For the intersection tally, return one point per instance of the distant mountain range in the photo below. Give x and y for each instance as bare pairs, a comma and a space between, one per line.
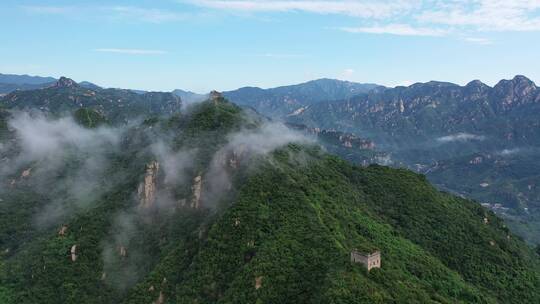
25, 79
113, 196
474, 140
11, 82
288, 100
65, 95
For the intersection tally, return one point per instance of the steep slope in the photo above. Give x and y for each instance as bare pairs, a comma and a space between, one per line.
218, 205
65, 218
437, 128
292, 100
288, 236
348, 146
425, 112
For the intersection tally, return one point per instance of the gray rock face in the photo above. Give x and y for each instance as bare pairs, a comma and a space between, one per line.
196, 190
147, 188
65, 82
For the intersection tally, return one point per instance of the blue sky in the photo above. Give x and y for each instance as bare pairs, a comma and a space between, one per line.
213, 44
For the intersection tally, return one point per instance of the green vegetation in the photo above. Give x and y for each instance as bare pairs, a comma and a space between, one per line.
298, 223
282, 232
118, 106
89, 118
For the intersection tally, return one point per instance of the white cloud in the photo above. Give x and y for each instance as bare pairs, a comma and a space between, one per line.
131, 51
481, 41
43, 147
41, 138
405, 83
486, 15
348, 72
405, 17
507, 152
398, 17
366, 9
126, 13
396, 29
146, 14
460, 137
279, 55
45, 9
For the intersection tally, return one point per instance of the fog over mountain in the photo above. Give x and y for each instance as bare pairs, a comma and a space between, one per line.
115, 196
429, 126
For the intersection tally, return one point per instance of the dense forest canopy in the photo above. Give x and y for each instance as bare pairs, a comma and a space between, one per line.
212, 203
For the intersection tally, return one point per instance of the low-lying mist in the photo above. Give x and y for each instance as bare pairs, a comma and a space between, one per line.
460, 137
59, 159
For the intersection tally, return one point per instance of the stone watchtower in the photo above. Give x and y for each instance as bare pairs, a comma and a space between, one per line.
369, 260
215, 96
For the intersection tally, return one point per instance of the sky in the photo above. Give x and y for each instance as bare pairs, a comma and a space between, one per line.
200, 45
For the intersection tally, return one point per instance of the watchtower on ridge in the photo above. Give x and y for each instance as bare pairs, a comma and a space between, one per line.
369, 260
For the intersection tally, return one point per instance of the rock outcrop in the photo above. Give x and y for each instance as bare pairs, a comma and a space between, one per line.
73, 253
65, 82
215, 96
258, 282
63, 230
196, 190
26, 173
122, 251
160, 299
147, 188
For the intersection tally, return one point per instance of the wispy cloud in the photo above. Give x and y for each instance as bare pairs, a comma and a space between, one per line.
398, 17
46, 9
477, 40
127, 13
347, 73
151, 15
279, 55
404, 83
507, 152
405, 17
461, 137
396, 29
131, 51
366, 9
485, 15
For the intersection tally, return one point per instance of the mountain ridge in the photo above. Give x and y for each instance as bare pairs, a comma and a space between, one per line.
425, 124
217, 204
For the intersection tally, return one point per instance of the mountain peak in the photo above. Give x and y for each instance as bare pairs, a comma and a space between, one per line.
476, 83
519, 85
216, 96
433, 84
520, 79
65, 82
476, 86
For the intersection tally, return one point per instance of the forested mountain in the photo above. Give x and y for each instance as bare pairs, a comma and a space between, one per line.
213, 203
66, 95
293, 99
9, 82
425, 112
25, 79
475, 140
